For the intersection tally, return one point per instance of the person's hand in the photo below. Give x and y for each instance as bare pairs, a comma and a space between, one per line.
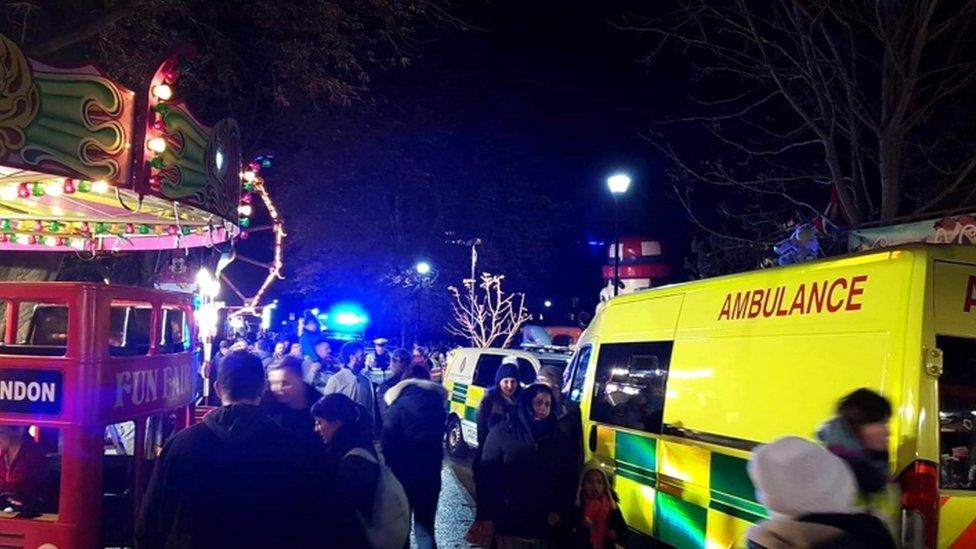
553, 519
612, 535
587, 522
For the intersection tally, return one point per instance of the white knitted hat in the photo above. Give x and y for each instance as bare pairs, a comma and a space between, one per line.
795, 477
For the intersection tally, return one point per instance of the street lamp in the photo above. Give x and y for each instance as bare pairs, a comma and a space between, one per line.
423, 268
618, 185
547, 303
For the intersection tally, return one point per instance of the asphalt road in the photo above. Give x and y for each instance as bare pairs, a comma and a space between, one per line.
455, 511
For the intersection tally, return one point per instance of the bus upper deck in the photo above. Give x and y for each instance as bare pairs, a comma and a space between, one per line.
98, 376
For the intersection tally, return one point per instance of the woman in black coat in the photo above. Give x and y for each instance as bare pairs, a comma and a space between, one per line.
349, 481
413, 444
526, 484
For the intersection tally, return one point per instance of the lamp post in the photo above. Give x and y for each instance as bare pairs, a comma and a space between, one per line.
618, 185
423, 268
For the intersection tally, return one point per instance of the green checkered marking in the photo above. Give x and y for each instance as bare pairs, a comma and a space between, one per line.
459, 393
731, 489
470, 413
635, 458
677, 522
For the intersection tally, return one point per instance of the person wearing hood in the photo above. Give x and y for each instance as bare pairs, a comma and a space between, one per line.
349, 480
810, 494
413, 435
288, 402
234, 480
399, 361
526, 482
597, 521
859, 435
567, 413
495, 407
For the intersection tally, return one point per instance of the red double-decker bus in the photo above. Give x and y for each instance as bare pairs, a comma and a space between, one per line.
97, 377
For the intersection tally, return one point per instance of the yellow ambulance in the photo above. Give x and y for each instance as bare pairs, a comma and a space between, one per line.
678, 384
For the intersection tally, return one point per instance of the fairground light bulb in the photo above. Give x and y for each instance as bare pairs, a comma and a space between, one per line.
100, 186
77, 243
8, 193
51, 241
245, 210
156, 145
249, 176
23, 239
54, 189
163, 92
203, 277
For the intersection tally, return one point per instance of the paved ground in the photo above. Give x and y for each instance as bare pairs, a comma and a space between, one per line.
455, 512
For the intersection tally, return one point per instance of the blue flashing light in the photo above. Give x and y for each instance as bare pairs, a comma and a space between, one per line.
347, 317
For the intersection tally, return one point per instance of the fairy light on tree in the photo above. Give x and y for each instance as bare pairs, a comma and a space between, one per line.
485, 314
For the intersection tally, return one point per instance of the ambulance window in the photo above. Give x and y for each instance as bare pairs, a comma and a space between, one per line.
484, 371
578, 371
957, 413
630, 384
526, 372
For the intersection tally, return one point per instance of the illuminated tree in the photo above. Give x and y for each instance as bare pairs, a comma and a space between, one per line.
485, 314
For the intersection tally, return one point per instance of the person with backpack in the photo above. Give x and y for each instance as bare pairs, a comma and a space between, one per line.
234, 480
810, 494
413, 443
363, 504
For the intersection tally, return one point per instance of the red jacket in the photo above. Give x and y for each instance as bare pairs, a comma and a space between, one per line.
26, 478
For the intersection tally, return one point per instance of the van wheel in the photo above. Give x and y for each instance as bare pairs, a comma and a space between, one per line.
456, 446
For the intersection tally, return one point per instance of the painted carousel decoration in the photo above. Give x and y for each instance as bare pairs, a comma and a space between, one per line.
88, 165
641, 263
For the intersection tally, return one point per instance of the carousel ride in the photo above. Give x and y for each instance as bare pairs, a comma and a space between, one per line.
90, 167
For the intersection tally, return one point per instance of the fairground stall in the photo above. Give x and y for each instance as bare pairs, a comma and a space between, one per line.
95, 377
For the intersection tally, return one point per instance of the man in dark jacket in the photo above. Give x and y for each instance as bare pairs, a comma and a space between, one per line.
399, 361
413, 435
234, 480
288, 402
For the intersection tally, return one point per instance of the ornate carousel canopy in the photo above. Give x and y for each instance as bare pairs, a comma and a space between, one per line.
86, 164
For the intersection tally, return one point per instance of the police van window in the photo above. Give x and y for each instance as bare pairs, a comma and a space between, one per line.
36, 494
526, 372
173, 328
484, 372
630, 384
578, 371
129, 328
957, 413
42, 329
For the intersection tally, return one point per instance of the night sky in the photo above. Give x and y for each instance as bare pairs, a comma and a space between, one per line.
559, 77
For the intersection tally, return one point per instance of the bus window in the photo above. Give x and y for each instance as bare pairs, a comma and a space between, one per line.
630, 384
129, 328
118, 484
33, 490
174, 332
957, 413
42, 329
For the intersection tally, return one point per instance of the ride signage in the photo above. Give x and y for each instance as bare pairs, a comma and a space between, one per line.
31, 391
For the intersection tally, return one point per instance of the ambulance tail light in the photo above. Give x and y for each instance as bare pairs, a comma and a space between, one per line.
920, 504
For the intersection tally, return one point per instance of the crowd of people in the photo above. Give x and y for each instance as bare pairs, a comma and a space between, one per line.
307, 450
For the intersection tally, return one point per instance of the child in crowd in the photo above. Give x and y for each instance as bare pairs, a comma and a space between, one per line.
598, 521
